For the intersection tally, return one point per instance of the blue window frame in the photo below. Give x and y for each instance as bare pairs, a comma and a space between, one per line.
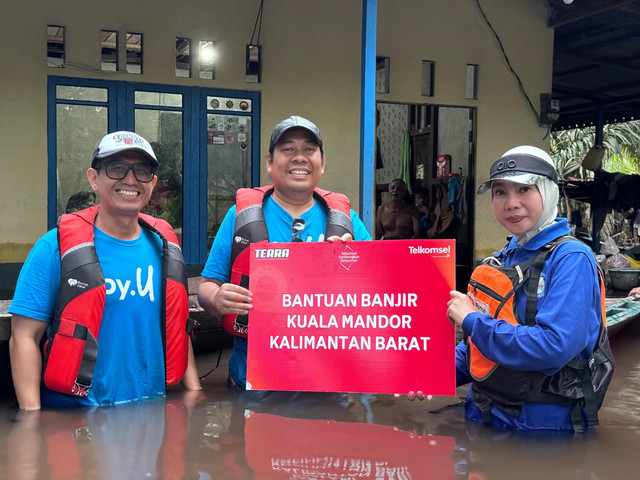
116, 105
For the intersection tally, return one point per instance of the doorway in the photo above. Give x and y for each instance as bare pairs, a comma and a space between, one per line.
438, 143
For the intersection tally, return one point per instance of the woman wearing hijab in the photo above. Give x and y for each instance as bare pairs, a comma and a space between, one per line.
531, 370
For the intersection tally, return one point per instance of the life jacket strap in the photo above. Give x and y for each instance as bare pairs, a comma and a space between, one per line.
576, 417
71, 348
192, 327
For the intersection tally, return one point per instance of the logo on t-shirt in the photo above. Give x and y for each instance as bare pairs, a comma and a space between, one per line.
123, 287
77, 283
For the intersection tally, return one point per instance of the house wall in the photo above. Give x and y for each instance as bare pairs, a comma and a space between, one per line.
311, 67
453, 34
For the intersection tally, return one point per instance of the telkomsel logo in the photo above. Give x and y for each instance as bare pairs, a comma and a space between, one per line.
348, 257
436, 251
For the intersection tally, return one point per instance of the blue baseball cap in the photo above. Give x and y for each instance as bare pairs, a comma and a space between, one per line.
294, 122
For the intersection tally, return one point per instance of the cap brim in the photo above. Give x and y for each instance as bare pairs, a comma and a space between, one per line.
274, 141
128, 148
517, 177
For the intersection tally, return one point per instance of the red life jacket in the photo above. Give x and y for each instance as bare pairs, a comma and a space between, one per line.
250, 227
71, 349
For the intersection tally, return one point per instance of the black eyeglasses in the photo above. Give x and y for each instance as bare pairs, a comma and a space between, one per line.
117, 170
297, 227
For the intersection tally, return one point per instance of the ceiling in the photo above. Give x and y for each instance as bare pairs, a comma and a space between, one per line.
596, 61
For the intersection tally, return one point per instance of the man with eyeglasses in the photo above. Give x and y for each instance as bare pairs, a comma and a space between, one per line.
108, 286
292, 209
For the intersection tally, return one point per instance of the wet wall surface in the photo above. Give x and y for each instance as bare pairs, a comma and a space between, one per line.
222, 434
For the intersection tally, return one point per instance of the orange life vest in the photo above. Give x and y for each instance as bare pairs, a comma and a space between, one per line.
580, 383
492, 289
71, 349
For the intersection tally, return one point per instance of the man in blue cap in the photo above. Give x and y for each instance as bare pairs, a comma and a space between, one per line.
292, 209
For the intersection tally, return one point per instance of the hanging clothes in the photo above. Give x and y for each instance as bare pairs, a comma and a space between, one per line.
379, 163
460, 198
453, 190
445, 218
405, 161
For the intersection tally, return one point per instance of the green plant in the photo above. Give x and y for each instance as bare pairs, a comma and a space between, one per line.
569, 147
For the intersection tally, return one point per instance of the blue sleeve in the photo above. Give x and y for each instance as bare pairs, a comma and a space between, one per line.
359, 230
37, 287
219, 260
462, 373
567, 321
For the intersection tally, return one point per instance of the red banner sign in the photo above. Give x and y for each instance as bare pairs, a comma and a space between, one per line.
367, 317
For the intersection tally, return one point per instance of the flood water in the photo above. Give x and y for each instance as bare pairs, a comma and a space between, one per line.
220, 434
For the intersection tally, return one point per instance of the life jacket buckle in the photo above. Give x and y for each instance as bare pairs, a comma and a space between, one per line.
192, 327
241, 329
80, 390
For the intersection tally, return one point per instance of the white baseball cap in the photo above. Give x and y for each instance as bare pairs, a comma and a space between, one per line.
524, 164
117, 142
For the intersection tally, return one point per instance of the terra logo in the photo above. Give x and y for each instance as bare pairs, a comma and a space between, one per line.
272, 252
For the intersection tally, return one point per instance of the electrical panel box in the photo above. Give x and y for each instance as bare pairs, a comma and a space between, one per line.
549, 109
253, 63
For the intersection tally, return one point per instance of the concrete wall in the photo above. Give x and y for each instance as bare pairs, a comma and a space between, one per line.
453, 134
452, 34
311, 67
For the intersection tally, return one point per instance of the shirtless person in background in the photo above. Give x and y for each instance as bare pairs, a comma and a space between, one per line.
397, 219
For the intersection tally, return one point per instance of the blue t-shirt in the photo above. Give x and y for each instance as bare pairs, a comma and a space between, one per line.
130, 363
278, 223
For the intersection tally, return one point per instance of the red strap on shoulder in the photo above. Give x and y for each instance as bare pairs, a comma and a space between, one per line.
72, 228
335, 201
162, 226
245, 197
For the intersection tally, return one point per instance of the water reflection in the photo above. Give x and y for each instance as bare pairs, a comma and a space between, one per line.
316, 449
222, 434
133, 441
242, 436
293, 435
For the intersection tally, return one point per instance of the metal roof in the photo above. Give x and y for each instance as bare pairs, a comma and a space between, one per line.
596, 61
